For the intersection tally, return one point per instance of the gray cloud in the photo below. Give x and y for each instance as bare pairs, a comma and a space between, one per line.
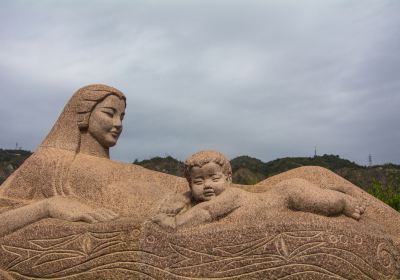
263, 78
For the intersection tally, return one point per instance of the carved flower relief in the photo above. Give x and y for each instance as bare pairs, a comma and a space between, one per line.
135, 234
86, 244
385, 254
281, 247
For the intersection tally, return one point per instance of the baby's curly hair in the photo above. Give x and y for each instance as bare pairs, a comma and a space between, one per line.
201, 158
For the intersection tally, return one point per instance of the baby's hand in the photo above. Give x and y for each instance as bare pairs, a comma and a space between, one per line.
164, 221
173, 205
172, 209
72, 210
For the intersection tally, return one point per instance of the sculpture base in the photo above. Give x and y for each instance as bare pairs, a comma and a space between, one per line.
53, 249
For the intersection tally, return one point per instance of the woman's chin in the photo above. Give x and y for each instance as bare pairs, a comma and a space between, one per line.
110, 143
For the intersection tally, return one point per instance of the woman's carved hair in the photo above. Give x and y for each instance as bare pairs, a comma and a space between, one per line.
90, 97
201, 158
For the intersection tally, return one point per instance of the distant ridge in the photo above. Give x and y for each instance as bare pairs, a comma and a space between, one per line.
248, 170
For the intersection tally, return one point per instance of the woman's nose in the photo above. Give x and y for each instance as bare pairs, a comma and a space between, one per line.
117, 122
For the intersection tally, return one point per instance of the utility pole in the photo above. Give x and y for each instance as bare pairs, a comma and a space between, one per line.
315, 151
369, 160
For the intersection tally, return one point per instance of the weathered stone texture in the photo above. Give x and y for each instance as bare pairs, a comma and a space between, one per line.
69, 212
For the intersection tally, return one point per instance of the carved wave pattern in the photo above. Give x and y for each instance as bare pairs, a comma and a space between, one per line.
123, 255
289, 255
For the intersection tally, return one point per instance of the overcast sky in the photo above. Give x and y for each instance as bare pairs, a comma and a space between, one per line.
268, 79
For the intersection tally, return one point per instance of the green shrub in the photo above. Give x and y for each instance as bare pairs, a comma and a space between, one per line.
388, 193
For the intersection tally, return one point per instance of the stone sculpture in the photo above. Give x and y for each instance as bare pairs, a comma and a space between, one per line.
69, 212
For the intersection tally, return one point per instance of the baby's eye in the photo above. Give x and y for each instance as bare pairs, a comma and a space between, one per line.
198, 182
216, 178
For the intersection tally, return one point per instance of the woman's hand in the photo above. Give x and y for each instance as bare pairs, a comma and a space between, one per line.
72, 210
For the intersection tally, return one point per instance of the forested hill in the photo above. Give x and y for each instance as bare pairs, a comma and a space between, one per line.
11, 160
248, 170
382, 181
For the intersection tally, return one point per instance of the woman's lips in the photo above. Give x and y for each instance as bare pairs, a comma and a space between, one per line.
114, 133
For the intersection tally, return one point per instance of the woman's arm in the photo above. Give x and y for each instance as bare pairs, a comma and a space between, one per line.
55, 207
15, 219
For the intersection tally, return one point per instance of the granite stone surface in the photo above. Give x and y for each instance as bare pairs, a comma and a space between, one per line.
69, 212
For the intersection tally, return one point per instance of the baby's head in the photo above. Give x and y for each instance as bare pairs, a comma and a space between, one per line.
208, 174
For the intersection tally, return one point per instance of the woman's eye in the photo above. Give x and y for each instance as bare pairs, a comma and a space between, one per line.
108, 113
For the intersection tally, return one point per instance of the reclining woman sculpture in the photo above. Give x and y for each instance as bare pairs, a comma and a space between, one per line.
54, 183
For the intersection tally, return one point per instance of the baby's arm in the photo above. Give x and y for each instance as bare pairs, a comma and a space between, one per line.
223, 204
212, 210
174, 211
175, 204
170, 207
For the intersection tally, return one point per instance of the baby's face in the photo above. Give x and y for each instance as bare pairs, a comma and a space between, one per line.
207, 181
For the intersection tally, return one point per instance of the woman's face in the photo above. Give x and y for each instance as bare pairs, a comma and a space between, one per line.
105, 123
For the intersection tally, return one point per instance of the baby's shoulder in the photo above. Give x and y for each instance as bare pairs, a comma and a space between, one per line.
185, 197
234, 192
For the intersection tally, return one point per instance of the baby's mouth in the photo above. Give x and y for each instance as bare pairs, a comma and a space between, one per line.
209, 193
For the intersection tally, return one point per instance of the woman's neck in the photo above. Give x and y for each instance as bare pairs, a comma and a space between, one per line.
90, 146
